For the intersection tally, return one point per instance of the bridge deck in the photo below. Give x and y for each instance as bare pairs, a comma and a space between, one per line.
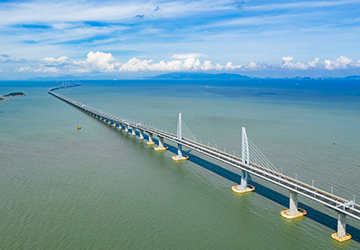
327, 199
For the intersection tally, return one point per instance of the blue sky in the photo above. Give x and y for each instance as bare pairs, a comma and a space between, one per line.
145, 38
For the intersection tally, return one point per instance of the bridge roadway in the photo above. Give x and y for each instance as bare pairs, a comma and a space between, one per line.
327, 199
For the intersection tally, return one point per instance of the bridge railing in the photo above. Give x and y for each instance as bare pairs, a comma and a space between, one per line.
311, 192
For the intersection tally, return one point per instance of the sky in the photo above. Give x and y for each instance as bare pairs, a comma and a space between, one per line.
132, 39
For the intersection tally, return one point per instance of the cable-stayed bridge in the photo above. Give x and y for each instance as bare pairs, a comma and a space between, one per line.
260, 166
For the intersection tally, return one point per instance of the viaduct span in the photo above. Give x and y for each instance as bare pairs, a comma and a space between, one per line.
295, 187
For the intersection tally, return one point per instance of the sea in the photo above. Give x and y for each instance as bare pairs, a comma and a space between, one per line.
101, 188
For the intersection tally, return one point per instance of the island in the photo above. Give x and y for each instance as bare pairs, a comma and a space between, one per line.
14, 94
3, 99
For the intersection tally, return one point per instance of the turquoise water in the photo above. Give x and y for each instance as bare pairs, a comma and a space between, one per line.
98, 188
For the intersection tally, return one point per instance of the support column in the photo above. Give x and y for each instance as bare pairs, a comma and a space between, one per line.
114, 123
126, 128
179, 156
244, 187
293, 211
150, 142
120, 126
341, 234
161, 146
133, 131
141, 137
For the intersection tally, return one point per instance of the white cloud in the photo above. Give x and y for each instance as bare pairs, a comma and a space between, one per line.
230, 66
340, 63
301, 4
288, 63
105, 62
24, 69
98, 62
253, 65
314, 63
47, 69
185, 62
54, 61
357, 64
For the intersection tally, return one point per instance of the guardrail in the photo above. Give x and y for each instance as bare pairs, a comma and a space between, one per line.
329, 200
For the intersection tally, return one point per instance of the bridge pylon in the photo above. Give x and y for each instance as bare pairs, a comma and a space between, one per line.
244, 186
179, 156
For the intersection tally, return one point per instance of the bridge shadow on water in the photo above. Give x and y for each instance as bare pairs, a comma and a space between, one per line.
266, 192
270, 194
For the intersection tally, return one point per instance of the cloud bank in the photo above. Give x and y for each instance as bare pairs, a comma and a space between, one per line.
100, 62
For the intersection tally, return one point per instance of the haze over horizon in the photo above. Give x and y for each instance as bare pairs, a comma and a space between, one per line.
147, 38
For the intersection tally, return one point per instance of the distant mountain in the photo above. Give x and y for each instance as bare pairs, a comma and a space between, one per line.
190, 76
352, 77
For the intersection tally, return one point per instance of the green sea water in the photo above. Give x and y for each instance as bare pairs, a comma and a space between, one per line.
99, 188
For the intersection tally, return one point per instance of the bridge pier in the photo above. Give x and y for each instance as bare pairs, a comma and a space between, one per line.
293, 211
141, 137
244, 187
133, 131
161, 146
126, 128
120, 126
179, 156
341, 234
113, 123
150, 142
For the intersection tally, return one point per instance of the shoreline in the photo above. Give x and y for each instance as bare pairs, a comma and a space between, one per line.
13, 95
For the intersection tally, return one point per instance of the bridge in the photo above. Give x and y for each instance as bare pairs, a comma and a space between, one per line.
342, 206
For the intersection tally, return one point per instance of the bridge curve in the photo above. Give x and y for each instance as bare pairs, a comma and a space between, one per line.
334, 202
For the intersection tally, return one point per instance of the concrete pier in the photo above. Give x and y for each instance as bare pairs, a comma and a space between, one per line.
180, 156
341, 234
296, 187
244, 187
161, 146
141, 137
126, 128
293, 211
133, 131
150, 142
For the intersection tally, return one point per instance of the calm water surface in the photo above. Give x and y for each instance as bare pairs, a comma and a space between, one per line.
99, 188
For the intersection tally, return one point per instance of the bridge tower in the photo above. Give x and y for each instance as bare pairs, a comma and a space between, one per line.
244, 187
179, 156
